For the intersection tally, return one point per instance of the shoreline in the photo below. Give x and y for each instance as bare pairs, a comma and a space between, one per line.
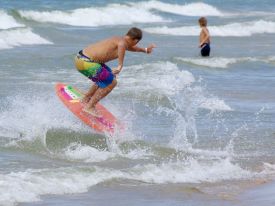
156, 195
262, 194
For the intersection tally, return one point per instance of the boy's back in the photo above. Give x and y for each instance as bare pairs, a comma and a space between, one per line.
104, 51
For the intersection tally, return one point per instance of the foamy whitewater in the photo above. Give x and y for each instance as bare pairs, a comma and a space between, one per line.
197, 130
233, 29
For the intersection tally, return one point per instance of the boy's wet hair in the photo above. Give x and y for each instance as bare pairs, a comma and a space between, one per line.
203, 21
135, 33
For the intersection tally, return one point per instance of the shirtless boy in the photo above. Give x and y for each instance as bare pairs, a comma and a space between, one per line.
204, 37
91, 63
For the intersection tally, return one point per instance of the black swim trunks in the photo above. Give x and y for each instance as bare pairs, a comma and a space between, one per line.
205, 50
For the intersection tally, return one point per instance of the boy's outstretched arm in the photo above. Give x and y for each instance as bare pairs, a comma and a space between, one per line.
147, 50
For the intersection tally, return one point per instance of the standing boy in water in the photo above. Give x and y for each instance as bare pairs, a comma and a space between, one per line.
204, 37
91, 63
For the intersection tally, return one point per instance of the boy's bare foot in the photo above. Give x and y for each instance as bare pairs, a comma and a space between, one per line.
84, 100
92, 112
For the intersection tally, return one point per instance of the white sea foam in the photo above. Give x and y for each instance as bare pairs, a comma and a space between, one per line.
29, 185
191, 171
215, 62
223, 62
269, 168
20, 36
258, 14
20, 120
139, 153
167, 79
271, 59
163, 77
86, 153
120, 14
186, 105
112, 14
244, 29
192, 9
76, 151
215, 104
233, 29
7, 21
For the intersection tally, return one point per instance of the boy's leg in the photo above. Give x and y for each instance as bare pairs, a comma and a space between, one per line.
98, 95
89, 94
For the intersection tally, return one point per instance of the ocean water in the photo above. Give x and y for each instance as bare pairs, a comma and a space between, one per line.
198, 130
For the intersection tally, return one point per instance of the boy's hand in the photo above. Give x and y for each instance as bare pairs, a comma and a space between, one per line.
116, 71
150, 48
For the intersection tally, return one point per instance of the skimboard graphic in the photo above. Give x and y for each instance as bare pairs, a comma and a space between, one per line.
71, 97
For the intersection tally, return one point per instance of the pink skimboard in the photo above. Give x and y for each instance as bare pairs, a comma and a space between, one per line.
71, 97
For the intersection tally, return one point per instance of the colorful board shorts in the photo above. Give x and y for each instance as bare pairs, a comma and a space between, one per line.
99, 73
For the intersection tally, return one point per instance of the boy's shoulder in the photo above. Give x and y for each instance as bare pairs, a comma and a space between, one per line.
205, 29
121, 41
117, 40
